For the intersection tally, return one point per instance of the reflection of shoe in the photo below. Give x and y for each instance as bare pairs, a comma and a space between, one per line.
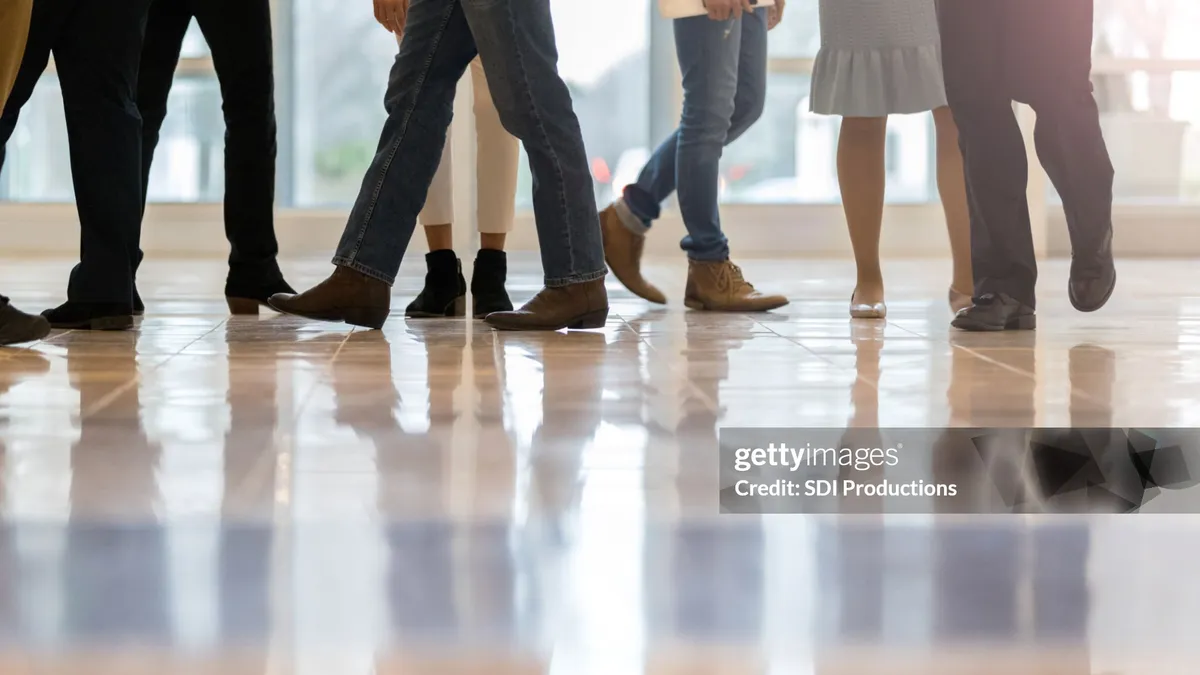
91, 316
346, 295
445, 291
1093, 277
17, 326
249, 287
487, 284
867, 310
959, 300
579, 306
995, 312
720, 287
623, 252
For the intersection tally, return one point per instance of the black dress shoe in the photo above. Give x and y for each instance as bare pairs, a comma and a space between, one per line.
445, 292
17, 326
487, 284
247, 288
995, 312
1093, 278
91, 316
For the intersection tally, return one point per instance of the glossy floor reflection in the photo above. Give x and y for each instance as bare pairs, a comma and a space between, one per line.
263, 496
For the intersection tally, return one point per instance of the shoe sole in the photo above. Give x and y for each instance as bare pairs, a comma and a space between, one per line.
1102, 303
103, 323
589, 321
700, 306
245, 306
1027, 322
363, 317
457, 308
40, 330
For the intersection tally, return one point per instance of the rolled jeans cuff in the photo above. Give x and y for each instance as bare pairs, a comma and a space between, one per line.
363, 269
576, 278
630, 219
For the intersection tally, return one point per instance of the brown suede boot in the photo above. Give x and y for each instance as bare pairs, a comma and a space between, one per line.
623, 253
575, 307
346, 296
720, 287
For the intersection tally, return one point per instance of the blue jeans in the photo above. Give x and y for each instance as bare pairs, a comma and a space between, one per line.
724, 65
515, 41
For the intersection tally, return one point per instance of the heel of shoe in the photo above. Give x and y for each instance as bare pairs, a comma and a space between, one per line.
111, 323
591, 320
458, 307
366, 317
242, 306
1027, 322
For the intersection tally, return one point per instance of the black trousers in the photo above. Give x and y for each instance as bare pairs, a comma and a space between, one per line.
96, 45
239, 37
1036, 52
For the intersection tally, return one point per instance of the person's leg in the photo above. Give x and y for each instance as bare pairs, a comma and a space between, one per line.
239, 36
97, 57
1051, 72
14, 32
952, 189
497, 156
437, 48
862, 177
709, 55
445, 290
517, 46
166, 25
43, 26
1002, 254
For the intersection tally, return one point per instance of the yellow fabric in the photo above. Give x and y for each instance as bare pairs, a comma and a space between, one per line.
14, 31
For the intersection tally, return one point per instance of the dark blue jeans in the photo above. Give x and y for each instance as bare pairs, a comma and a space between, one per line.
515, 42
724, 65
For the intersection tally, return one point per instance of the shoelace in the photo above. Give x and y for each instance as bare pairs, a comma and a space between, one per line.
735, 277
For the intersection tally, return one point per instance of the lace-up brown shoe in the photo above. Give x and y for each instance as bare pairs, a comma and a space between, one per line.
720, 287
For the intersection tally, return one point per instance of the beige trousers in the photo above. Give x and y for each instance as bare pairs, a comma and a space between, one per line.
497, 154
14, 31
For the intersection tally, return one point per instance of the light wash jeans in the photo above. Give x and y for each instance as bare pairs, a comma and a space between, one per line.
724, 65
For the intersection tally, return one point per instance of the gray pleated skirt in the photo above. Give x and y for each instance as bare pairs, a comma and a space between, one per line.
877, 58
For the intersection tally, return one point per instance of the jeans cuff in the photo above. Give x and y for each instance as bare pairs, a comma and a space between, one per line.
576, 278
629, 219
359, 267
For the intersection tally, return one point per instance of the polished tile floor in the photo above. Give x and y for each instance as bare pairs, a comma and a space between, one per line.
266, 495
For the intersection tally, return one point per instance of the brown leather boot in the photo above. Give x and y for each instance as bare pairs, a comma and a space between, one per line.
623, 253
575, 307
347, 295
720, 287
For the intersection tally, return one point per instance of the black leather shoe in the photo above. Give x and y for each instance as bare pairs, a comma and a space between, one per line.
487, 284
247, 288
91, 316
995, 312
17, 326
445, 292
1093, 278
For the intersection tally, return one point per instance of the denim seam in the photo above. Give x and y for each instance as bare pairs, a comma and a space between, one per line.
341, 261
402, 133
528, 91
576, 278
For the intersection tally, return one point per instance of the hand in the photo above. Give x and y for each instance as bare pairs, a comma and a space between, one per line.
775, 14
723, 10
391, 14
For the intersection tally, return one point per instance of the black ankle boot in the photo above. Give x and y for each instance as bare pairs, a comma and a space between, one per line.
487, 284
250, 286
445, 292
